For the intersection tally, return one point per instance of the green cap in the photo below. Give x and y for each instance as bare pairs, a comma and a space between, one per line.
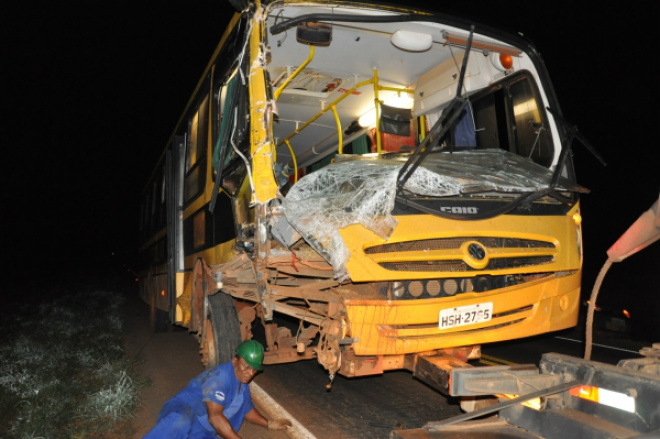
252, 352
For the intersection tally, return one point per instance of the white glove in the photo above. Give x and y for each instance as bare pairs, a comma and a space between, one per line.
278, 424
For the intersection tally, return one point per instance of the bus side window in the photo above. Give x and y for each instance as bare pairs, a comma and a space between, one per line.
491, 120
232, 133
162, 207
222, 130
195, 170
531, 137
220, 97
510, 116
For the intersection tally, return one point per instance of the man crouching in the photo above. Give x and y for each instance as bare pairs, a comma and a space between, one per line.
216, 402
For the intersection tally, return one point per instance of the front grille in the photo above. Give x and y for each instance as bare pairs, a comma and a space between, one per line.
496, 264
425, 266
500, 264
454, 243
502, 254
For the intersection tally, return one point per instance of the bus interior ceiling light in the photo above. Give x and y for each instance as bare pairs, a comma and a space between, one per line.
396, 100
368, 119
411, 41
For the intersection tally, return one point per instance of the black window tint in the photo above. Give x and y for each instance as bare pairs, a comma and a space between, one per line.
196, 149
510, 116
531, 138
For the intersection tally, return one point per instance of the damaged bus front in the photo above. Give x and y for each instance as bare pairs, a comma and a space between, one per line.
398, 185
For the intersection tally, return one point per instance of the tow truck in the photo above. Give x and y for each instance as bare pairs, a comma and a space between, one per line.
565, 397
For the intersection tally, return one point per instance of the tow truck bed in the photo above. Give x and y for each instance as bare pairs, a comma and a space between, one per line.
576, 399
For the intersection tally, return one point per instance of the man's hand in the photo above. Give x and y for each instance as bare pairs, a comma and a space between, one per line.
278, 424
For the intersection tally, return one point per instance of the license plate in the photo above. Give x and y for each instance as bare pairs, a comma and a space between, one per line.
465, 315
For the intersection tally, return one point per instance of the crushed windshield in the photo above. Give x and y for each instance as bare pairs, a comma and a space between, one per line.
485, 170
362, 190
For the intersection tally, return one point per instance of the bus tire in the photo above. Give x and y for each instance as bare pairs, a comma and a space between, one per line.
222, 331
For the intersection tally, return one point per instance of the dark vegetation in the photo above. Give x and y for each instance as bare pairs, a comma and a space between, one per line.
64, 373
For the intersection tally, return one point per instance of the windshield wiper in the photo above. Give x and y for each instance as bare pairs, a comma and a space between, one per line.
552, 189
450, 116
572, 135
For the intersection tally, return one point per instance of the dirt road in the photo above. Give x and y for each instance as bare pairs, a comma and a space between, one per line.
170, 359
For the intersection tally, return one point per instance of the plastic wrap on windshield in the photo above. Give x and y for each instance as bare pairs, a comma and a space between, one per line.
362, 190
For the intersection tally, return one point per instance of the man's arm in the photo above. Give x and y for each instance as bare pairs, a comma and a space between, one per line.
219, 422
257, 418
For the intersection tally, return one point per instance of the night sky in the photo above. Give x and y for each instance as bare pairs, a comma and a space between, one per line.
91, 91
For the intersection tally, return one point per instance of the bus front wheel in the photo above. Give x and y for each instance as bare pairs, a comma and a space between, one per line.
222, 333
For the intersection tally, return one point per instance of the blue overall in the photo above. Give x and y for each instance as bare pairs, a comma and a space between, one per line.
185, 415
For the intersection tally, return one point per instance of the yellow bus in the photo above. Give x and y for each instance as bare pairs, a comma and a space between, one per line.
370, 186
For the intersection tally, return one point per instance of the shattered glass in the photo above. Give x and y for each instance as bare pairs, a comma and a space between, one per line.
362, 190
341, 194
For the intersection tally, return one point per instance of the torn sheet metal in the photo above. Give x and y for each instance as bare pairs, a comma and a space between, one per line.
362, 190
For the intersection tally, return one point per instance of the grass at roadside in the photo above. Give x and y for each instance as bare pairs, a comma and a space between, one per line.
63, 370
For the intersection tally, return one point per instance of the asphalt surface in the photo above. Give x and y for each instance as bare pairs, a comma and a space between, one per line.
360, 408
